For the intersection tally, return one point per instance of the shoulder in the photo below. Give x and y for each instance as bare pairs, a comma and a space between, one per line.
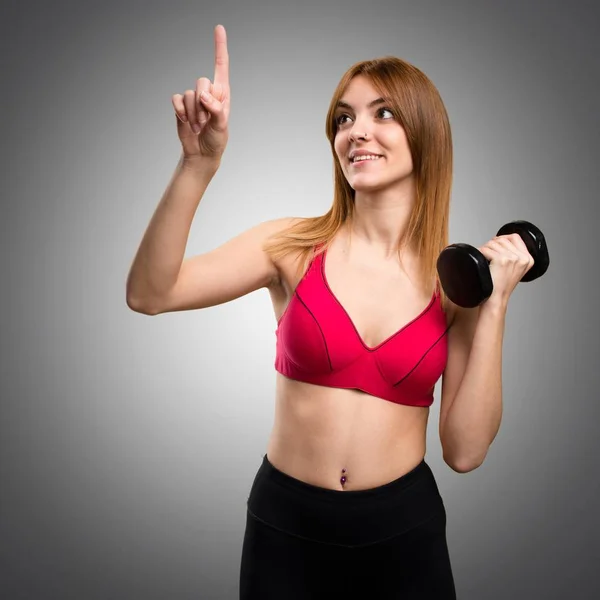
277, 246
276, 226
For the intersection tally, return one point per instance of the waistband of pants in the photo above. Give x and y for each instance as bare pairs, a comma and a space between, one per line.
349, 518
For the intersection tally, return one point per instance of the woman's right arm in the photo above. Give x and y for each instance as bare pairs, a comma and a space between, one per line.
160, 280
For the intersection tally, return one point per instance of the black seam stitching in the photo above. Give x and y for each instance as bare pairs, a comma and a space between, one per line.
349, 318
307, 539
319, 326
422, 357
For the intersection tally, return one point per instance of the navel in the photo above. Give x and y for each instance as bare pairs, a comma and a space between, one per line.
343, 478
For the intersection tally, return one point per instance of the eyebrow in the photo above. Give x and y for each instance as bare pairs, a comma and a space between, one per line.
341, 104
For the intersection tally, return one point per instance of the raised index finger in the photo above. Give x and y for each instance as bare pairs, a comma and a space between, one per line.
221, 59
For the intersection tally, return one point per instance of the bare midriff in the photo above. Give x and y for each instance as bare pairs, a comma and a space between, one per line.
343, 439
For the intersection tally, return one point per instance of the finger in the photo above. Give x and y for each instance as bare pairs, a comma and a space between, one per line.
217, 91
189, 100
177, 100
518, 242
505, 242
222, 96
221, 59
202, 85
488, 252
506, 254
218, 119
518, 247
504, 247
513, 247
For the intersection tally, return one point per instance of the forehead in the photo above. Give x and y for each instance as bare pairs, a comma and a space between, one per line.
359, 91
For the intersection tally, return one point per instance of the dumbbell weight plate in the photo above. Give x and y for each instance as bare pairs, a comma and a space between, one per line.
465, 275
536, 246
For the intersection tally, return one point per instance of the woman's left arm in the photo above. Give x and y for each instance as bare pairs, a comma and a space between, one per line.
471, 405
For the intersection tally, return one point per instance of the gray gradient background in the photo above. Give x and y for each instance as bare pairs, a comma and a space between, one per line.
129, 443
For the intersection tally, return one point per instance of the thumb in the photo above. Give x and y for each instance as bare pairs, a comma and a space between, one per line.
218, 118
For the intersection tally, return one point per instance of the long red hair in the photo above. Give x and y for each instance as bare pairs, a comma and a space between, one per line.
417, 105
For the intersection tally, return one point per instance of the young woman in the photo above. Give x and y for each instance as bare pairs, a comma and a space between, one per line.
344, 503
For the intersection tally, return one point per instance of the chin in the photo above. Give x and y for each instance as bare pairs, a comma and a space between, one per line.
363, 184
368, 186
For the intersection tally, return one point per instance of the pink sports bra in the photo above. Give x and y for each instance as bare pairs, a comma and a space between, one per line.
318, 343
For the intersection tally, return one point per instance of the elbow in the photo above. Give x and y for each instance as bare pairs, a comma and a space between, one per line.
140, 306
463, 465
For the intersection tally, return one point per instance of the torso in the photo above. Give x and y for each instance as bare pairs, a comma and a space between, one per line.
322, 433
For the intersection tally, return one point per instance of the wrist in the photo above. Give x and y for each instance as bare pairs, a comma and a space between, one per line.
496, 305
200, 165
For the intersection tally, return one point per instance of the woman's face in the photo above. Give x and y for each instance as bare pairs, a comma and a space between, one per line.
364, 112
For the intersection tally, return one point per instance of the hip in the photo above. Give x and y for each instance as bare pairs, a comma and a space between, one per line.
351, 518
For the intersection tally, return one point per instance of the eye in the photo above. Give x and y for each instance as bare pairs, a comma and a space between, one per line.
383, 109
339, 119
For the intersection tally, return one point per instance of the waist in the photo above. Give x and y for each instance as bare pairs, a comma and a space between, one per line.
318, 432
353, 518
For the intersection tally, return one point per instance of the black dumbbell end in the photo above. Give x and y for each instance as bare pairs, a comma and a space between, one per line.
536, 246
465, 275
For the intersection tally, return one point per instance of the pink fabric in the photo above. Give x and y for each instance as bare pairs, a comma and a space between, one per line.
318, 343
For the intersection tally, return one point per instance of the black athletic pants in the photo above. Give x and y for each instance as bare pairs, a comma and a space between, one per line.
306, 542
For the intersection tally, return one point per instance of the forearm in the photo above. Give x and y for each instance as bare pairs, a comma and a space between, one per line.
474, 418
159, 257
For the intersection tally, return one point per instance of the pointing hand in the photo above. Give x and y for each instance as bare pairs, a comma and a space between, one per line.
203, 113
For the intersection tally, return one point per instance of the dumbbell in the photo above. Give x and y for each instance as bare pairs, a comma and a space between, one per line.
465, 273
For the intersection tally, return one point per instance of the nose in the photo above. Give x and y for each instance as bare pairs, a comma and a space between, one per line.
356, 133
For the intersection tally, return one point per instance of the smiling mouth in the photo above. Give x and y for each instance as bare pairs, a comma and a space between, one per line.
361, 161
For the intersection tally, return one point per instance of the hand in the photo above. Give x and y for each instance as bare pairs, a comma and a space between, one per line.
202, 121
509, 261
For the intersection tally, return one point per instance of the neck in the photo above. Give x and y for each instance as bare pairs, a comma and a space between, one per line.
380, 218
